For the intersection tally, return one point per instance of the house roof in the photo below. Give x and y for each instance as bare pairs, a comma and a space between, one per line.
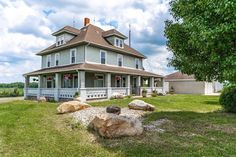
67, 29
113, 32
179, 76
92, 67
93, 35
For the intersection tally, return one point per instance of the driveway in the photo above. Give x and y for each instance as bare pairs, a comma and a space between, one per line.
8, 99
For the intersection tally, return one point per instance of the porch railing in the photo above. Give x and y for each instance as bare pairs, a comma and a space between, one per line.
96, 93
31, 91
121, 90
47, 92
67, 92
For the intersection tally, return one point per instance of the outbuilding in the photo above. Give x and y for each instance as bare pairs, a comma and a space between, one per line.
181, 83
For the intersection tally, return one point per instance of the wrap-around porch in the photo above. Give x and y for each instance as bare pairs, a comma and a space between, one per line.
90, 85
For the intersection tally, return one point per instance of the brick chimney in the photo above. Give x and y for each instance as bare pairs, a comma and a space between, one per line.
86, 21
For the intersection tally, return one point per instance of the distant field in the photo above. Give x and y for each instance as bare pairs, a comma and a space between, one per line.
9, 92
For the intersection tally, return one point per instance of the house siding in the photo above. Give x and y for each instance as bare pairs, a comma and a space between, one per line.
93, 55
65, 57
187, 87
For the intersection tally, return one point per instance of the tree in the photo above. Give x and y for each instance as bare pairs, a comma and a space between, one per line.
202, 37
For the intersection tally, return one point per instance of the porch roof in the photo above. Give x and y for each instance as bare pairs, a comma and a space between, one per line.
92, 67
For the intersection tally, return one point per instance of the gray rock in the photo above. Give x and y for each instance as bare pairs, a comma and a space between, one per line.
141, 105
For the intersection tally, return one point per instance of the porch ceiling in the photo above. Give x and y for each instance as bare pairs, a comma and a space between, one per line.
92, 67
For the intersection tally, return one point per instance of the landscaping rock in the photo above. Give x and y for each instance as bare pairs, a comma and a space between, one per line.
72, 106
117, 95
111, 125
113, 109
42, 99
84, 117
141, 105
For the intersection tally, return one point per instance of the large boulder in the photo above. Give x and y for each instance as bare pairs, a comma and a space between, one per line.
141, 105
42, 99
71, 106
117, 95
110, 125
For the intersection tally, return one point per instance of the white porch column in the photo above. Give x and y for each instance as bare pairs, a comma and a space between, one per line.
163, 85
152, 83
108, 85
82, 85
139, 85
26, 86
39, 86
57, 86
128, 84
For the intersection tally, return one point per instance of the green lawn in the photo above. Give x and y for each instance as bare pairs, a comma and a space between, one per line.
197, 128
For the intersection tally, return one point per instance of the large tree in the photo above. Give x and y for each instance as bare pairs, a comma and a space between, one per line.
202, 37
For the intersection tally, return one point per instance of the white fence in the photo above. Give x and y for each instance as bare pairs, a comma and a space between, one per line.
47, 92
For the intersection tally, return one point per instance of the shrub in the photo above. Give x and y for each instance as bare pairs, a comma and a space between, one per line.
228, 98
129, 96
154, 93
144, 93
76, 94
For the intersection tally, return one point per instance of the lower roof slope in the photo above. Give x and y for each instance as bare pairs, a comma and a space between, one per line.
179, 76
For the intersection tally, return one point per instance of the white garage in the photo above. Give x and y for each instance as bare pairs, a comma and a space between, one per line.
186, 84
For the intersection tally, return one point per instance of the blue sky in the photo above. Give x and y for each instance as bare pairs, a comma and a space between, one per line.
26, 27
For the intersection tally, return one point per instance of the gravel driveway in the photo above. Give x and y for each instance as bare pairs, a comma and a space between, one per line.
2, 100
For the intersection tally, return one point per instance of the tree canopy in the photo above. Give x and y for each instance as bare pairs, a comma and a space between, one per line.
202, 37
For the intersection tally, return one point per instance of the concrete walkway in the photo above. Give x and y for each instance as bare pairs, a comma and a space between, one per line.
9, 99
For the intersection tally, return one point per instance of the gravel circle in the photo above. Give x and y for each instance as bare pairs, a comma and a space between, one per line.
85, 116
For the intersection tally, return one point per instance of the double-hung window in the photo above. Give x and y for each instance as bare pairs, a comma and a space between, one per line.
60, 40
49, 60
57, 59
120, 60
72, 56
119, 43
103, 57
136, 63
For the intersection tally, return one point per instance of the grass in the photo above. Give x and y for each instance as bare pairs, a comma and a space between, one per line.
197, 128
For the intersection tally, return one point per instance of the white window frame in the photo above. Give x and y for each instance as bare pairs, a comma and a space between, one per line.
120, 56
49, 56
59, 39
103, 81
119, 42
101, 51
71, 50
57, 55
137, 60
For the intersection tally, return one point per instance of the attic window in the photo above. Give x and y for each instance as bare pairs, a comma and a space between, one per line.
60, 40
119, 43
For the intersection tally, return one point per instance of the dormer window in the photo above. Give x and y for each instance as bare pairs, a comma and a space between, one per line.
49, 59
119, 42
57, 58
120, 60
72, 56
60, 40
136, 63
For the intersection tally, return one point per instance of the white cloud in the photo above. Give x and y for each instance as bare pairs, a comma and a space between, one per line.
25, 29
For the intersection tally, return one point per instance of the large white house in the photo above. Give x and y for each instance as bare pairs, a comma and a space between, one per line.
93, 62
186, 84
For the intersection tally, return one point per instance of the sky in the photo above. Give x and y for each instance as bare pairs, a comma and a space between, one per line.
26, 27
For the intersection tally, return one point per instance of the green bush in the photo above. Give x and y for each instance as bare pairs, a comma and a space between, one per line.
228, 99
